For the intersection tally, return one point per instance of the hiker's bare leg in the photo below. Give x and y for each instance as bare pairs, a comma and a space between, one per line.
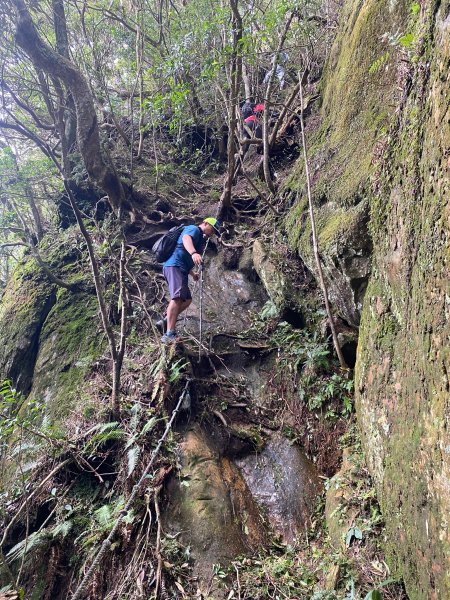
176, 307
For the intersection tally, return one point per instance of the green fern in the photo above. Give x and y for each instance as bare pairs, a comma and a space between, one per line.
268, 311
105, 433
176, 369
104, 516
149, 425
38, 540
133, 456
102, 427
135, 415
61, 530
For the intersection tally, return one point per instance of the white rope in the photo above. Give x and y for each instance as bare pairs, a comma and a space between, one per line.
194, 292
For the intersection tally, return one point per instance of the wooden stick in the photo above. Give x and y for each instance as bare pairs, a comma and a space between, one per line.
337, 346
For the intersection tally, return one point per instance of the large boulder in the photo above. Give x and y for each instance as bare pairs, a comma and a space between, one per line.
345, 252
49, 340
283, 278
285, 484
70, 341
211, 505
275, 282
229, 300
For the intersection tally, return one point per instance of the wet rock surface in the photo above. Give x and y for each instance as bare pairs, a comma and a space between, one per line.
24, 308
224, 507
285, 484
229, 300
210, 506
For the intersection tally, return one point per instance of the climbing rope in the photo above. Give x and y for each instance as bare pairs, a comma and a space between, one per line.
200, 302
108, 541
200, 315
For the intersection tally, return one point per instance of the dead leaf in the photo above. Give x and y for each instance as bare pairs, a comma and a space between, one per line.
180, 588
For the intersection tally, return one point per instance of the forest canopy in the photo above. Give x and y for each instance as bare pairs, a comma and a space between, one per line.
92, 89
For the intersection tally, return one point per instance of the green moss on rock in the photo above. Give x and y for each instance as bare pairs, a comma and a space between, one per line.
49, 336
70, 342
24, 307
358, 103
402, 381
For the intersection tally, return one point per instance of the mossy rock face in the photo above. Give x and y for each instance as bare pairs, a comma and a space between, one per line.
69, 343
24, 307
49, 339
345, 251
339, 512
272, 277
359, 97
402, 375
276, 279
359, 92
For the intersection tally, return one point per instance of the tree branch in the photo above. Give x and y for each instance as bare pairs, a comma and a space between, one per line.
266, 144
25, 107
323, 285
45, 58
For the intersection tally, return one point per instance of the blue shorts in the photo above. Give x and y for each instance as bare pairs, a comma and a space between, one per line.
178, 283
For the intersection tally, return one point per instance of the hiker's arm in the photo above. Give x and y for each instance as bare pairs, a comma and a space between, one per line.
189, 247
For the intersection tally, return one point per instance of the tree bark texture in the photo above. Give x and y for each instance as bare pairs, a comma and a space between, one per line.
236, 80
45, 58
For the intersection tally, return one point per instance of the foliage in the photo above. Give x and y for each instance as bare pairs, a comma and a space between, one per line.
268, 311
16, 414
306, 359
338, 386
300, 349
280, 572
160, 75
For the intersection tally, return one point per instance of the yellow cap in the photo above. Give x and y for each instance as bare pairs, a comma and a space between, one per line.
215, 224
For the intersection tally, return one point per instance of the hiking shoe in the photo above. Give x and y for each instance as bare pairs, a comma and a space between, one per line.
169, 337
161, 324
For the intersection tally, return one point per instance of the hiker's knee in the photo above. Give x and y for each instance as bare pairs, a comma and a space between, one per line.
179, 304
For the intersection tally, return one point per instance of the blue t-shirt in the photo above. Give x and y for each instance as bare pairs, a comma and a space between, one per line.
180, 256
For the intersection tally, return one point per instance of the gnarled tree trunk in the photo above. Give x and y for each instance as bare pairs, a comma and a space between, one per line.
57, 66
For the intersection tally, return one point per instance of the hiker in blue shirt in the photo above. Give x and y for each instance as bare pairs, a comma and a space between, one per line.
186, 256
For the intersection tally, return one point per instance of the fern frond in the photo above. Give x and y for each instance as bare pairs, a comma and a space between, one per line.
35, 541
133, 456
61, 530
104, 516
102, 427
135, 415
105, 433
149, 425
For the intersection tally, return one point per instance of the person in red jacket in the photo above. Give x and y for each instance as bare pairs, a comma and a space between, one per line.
252, 114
